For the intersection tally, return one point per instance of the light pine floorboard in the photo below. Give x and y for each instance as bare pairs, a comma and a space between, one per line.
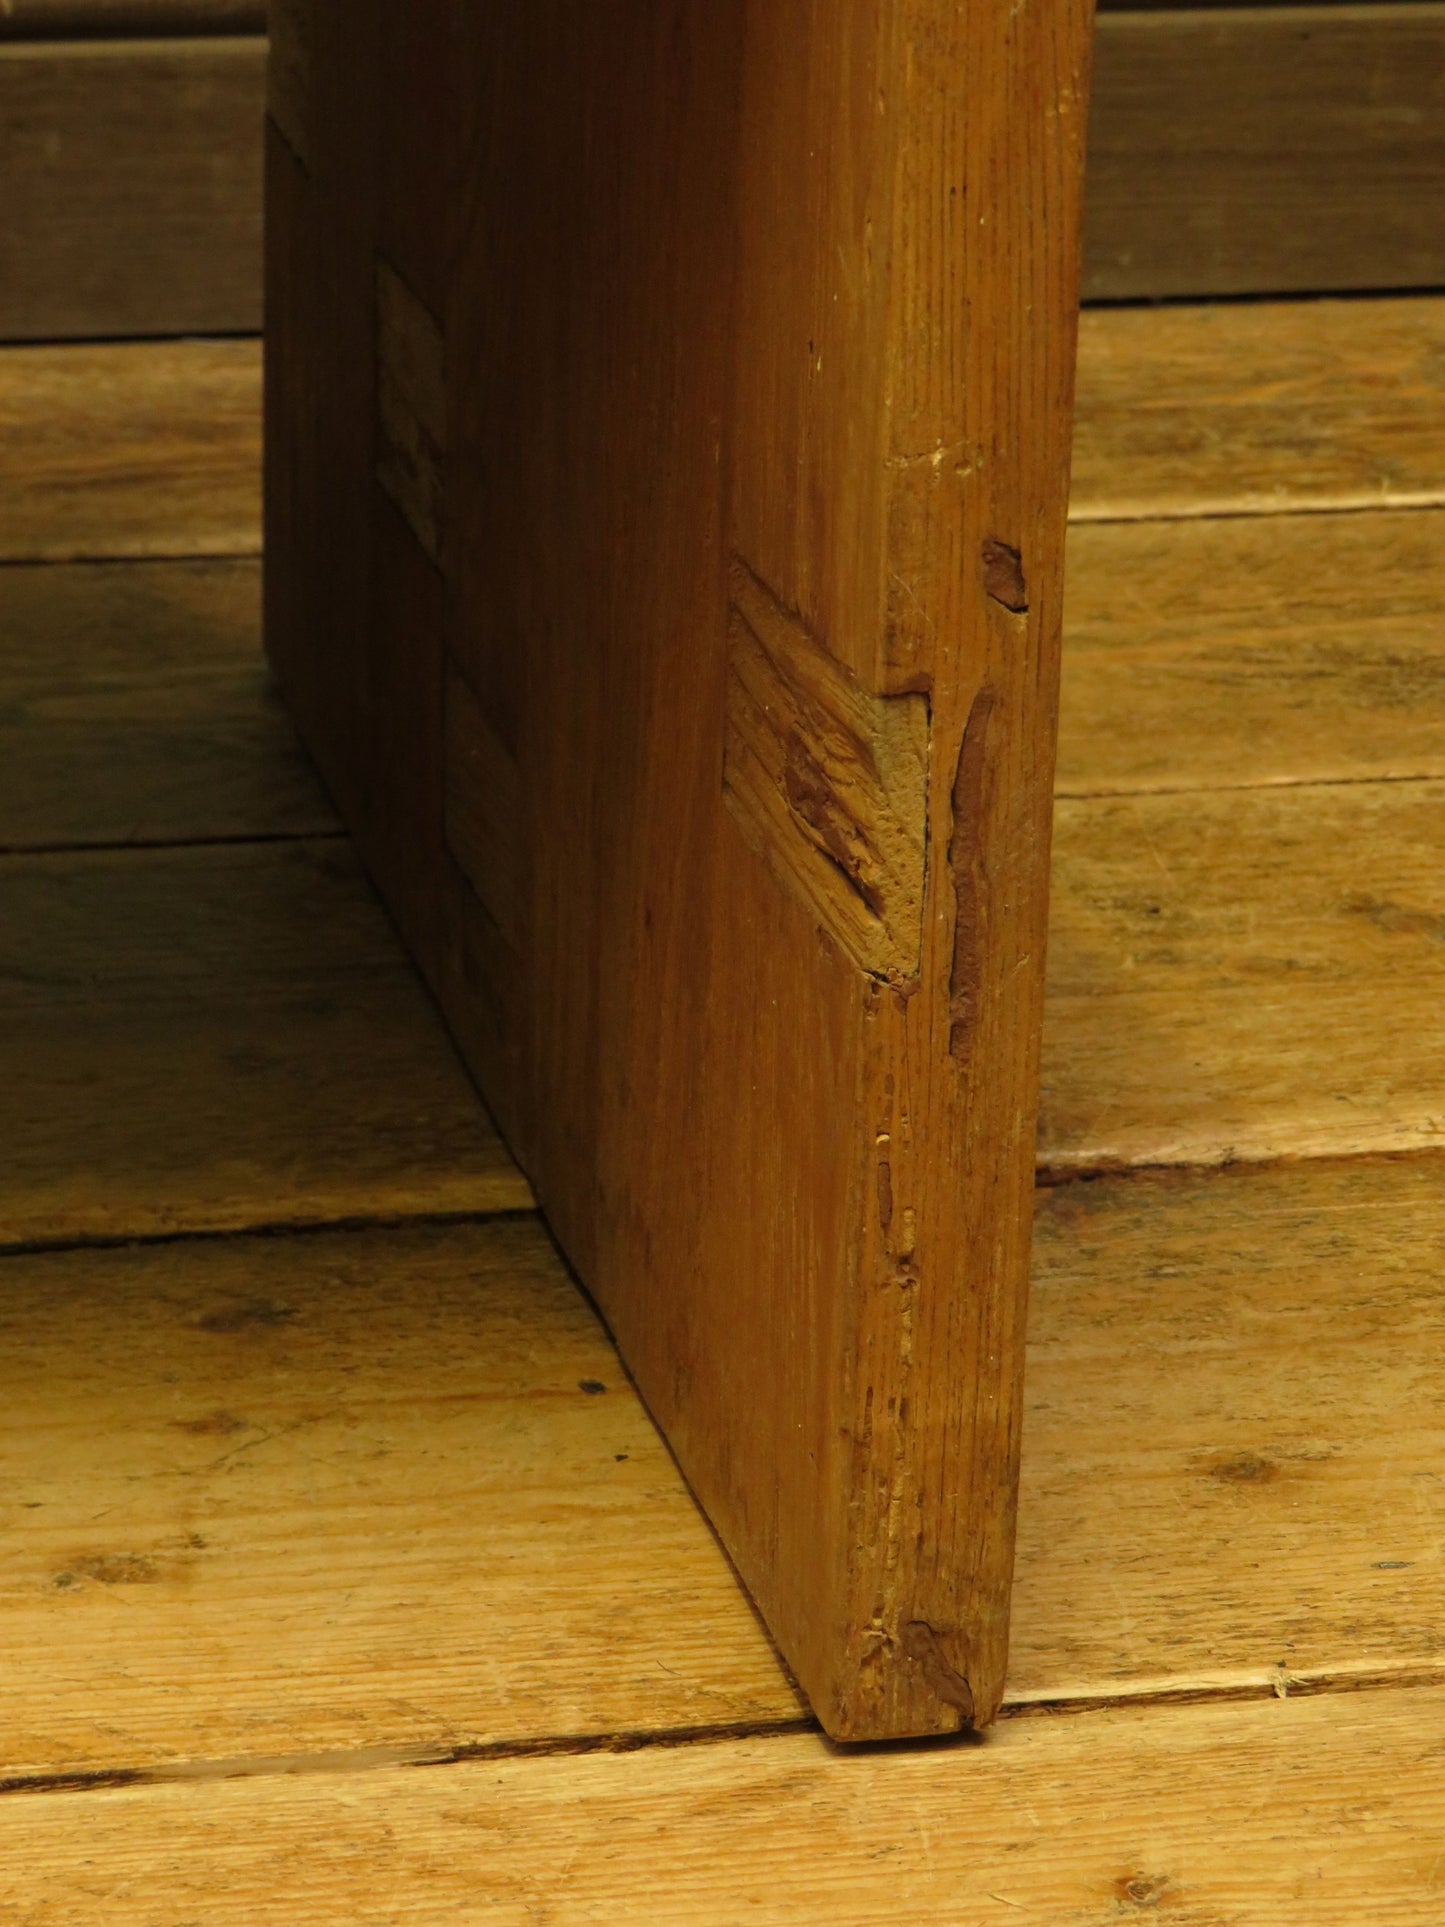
1252, 408
1236, 652
1326, 1810
1234, 1432
1247, 942
1245, 975
132, 166
130, 449
350, 1492
389, 1492
219, 1037
135, 708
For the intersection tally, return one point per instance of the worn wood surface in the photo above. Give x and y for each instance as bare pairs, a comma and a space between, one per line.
1254, 1815
1236, 410
135, 708
343, 1493
1233, 1433
794, 1167
132, 174
391, 1492
130, 449
1233, 652
221, 1037
1245, 974
1243, 150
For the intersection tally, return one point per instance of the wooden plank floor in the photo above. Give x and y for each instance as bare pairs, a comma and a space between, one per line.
292, 1511
1324, 1811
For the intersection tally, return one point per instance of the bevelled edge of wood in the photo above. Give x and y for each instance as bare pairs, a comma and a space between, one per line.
1326, 1808
133, 187
827, 782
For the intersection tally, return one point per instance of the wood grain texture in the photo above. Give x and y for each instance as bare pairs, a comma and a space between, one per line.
1245, 975
1242, 651
1232, 149
341, 1494
128, 19
1253, 1815
135, 708
1248, 150
1233, 1433
1251, 409
390, 1495
781, 220
222, 1037
133, 187
828, 783
130, 449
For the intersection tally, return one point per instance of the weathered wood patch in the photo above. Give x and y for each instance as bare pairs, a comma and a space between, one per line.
827, 781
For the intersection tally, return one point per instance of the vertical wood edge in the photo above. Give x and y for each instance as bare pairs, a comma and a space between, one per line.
984, 294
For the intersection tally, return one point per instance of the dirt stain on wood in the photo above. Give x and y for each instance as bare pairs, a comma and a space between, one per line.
254, 1313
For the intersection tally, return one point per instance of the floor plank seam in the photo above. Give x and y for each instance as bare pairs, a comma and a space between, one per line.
222, 841
1268, 787
1257, 511
377, 1759
1247, 1692
268, 1228
1270, 298
1052, 1177
624, 1742
249, 551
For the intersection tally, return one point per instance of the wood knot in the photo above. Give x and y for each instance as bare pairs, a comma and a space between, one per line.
1144, 1889
1247, 1469
922, 1645
1003, 576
